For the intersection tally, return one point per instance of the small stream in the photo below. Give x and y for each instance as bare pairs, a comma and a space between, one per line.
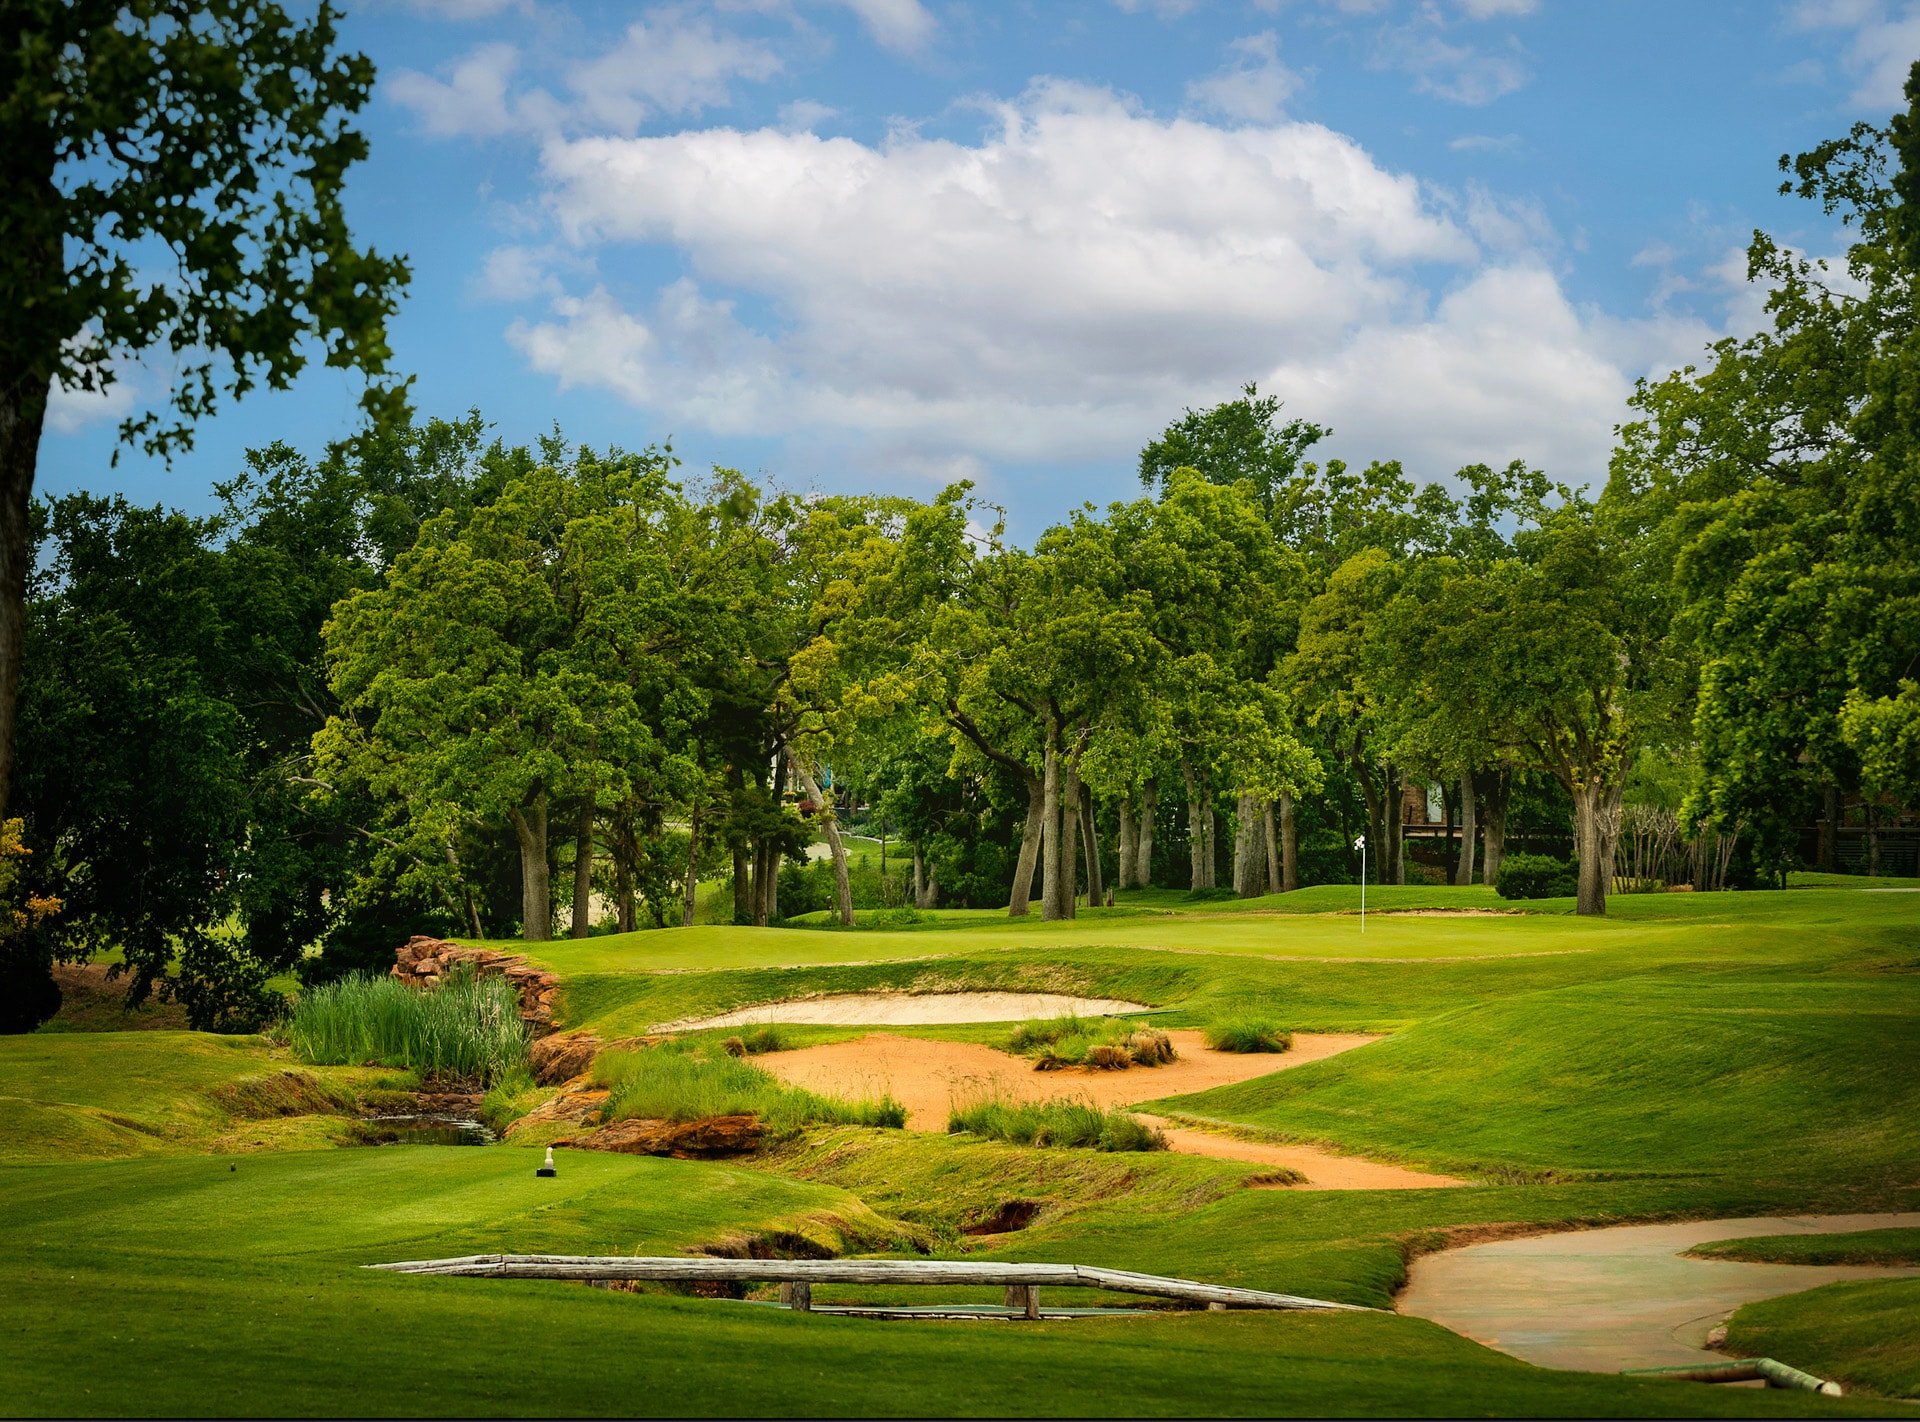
425, 1128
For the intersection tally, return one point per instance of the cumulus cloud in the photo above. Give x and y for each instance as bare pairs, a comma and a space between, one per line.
1054, 290
472, 99
1882, 40
904, 26
1458, 72
671, 62
1253, 85
70, 410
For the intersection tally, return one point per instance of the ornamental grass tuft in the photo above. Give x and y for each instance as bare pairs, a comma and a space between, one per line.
1054, 1123
467, 1028
1248, 1034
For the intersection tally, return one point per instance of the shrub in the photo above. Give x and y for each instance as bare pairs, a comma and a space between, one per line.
468, 1027
1054, 1123
754, 1041
1536, 876
1248, 1034
675, 1082
1149, 1048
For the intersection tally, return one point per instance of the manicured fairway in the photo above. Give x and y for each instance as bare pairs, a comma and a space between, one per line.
178, 1286
1694, 1056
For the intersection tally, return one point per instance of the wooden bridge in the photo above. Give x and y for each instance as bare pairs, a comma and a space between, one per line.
797, 1277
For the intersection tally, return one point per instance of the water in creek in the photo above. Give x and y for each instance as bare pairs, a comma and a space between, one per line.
424, 1129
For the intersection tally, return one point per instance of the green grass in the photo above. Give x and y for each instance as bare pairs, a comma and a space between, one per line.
1064, 1124
1867, 1246
1692, 1056
673, 1082
1110, 1042
1248, 1034
98, 1095
1864, 1335
467, 1028
171, 1287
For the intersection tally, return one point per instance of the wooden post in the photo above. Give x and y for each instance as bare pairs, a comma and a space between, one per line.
798, 1297
1026, 1298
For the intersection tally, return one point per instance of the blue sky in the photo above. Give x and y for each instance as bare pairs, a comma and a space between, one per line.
881, 244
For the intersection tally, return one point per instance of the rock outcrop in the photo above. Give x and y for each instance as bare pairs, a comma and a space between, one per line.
711, 1139
423, 961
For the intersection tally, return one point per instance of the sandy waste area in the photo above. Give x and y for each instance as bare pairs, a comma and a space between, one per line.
928, 1077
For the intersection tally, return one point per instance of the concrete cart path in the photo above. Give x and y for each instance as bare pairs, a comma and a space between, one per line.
1607, 1299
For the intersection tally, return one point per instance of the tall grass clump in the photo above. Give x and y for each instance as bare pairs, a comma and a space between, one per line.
467, 1028
1248, 1034
1090, 1041
672, 1082
1054, 1123
755, 1040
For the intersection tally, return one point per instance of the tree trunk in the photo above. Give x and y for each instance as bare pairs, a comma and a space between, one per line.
1273, 849
1248, 851
1199, 828
1289, 847
1090, 837
1828, 855
1143, 835
583, 871
536, 897
842, 885
1030, 836
1393, 860
1469, 829
1376, 814
623, 905
1494, 788
766, 884
1123, 871
23, 411
1212, 818
742, 883
1873, 840
1050, 843
1596, 826
930, 889
690, 880
1069, 839
919, 877
466, 889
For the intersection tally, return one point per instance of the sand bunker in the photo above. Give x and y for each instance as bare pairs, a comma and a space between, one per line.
903, 1009
928, 1076
1624, 1297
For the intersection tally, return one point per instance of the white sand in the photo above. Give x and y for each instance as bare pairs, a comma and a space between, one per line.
901, 1009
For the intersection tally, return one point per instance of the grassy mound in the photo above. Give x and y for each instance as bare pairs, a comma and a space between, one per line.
1248, 1034
467, 1028
1867, 1246
1054, 1123
1864, 1335
676, 1082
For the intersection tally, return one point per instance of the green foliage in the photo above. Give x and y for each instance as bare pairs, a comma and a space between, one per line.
1536, 876
1108, 1042
676, 1082
28, 993
1054, 1123
467, 1028
1248, 1034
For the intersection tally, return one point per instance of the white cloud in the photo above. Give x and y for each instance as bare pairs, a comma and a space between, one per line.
805, 115
1485, 143
1459, 73
466, 9
471, 101
672, 62
70, 410
904, 26
1881, 48
1253, 85
1497, 9
1055, 290
1162, 9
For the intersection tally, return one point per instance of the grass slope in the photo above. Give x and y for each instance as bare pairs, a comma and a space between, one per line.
1866, 1335
1867, 1246
205, 1291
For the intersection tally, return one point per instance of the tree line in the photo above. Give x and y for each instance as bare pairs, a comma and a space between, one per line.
407, 684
